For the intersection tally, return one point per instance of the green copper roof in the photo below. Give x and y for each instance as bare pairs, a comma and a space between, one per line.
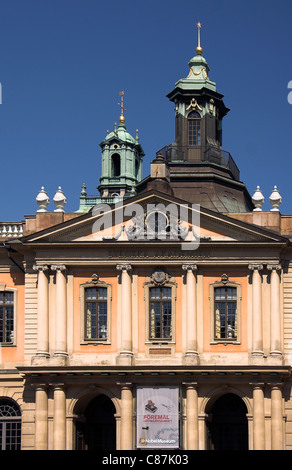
121, 134
198, 77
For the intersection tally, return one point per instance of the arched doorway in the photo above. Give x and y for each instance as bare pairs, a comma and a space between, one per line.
97, 431
227, 424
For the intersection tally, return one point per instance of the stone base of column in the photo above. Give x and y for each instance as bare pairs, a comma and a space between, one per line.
191, 358
50, 361
257, 358
276, 358
125, 358
40, 359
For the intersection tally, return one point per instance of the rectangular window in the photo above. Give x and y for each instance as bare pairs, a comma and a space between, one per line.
6, 317
225, 306
160, 313
96, 313
194, 132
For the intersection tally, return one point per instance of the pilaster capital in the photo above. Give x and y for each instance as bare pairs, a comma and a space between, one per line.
40, 267
276, 385
190, 385
255, 267
124, 267
189, 267
125, 385
58, 267
274, 267
58, 386
42, 387
257, 385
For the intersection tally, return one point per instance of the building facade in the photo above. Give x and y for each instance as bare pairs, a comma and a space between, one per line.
162, 320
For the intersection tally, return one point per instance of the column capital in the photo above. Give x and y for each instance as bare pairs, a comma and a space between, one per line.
255, 267
58, 386
125, 385
190, 385
58, 267
276, 385
124, 267
275, 266
40, 267
40, 386
189, 267
257, 385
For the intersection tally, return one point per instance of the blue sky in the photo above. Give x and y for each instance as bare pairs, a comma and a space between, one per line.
64, 62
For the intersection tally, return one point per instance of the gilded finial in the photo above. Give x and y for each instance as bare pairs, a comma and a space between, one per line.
121, 104
199, 49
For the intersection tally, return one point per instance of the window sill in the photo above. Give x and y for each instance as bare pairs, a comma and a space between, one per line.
159, 342
95, 342
225, 342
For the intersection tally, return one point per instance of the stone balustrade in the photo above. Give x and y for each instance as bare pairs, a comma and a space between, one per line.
11, 229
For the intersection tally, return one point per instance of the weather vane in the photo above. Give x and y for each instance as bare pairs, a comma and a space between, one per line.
121, 104
199, 49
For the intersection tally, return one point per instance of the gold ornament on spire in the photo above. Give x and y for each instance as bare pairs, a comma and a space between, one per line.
199, 49
121, 104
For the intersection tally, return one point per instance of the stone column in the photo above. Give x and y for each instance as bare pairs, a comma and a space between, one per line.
59, 436
43, 311
126, 353
61, 310
41, 418
258, 417
191, 319
276, 417
126, 416
257, 322
275, 347
192, 428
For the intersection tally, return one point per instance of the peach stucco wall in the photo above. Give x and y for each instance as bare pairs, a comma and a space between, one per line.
15, 353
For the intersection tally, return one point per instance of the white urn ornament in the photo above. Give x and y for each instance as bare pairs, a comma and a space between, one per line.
258, 200
59, 200
275, 199
42, 200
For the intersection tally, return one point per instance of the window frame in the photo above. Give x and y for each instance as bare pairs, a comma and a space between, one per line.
196, 118
225, 283
10, 419
4, 289
94, 283
115, 165
154, 281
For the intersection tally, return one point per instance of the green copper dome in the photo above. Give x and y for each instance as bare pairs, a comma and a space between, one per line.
121, 134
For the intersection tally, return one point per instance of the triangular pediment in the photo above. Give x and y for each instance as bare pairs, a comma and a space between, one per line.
152, 215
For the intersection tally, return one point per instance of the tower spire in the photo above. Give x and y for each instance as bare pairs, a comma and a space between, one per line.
199, 49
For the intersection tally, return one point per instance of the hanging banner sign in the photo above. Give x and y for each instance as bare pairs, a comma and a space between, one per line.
158, 417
